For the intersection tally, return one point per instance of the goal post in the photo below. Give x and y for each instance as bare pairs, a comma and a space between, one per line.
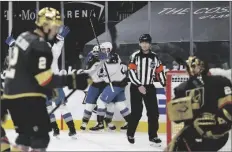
173, 78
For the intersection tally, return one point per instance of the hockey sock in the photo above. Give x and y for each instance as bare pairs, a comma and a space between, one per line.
71, 125
127, 118
101, 110
123, 109
54, 125
52, 118
100, 119
67, 117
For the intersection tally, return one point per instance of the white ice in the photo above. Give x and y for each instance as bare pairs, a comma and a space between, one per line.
102, 141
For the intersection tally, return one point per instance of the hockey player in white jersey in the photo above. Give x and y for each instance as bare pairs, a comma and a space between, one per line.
95, 89
221, 72
118, 76
58, 94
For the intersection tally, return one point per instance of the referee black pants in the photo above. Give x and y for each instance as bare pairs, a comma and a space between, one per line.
150, 101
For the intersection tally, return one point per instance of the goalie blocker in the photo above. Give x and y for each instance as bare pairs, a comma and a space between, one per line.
205, 108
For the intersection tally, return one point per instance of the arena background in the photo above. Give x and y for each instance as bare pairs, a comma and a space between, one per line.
177, 29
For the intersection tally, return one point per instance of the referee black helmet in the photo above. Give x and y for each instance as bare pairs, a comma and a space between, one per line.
145, 38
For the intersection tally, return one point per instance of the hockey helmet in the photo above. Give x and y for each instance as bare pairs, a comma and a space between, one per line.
48, 16
195, 66
145, 38
95, 50
106, 47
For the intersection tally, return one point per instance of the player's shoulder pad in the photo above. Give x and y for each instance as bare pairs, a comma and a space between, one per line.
220, 80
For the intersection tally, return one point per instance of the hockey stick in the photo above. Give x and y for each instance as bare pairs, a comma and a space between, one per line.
66, 98
86, 71
107, 73
86, 93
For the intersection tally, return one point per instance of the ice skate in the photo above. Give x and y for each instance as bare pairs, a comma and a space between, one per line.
98, 127
131, 139
56, 133
83, 126
125, 126
155, 142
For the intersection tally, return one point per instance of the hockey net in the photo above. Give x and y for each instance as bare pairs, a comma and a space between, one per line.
174, 78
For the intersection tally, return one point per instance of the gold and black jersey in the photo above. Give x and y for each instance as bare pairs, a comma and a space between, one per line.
29, 67
216, 93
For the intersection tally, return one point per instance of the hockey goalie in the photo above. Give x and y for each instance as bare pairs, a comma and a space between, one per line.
205, 108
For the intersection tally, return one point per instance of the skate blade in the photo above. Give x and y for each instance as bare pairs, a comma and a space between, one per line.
155, 144
97, 131
123, 130
73, 137
83, 131
56, 137
109, 130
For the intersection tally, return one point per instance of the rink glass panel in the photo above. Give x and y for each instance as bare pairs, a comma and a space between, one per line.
211, 33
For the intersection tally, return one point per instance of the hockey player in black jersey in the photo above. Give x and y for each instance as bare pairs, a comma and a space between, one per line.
205, 108
5, 145
29, 77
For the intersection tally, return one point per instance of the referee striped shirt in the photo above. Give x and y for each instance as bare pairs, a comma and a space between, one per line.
144, 68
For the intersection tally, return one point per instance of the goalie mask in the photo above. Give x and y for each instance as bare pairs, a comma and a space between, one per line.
49, 22
195, 66
106, 47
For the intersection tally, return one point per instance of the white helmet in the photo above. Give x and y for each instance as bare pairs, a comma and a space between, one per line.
106, 47
95, 50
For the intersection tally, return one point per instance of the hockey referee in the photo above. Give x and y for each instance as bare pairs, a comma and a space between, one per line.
144, 67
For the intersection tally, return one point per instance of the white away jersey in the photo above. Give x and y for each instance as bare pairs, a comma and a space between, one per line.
221, 72
117, 71
56, 52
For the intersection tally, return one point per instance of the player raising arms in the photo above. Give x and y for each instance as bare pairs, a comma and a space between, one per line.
205, 108
28, 77
117, 73
95, 89
57, 95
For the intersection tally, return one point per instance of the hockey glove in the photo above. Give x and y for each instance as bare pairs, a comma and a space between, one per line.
102, 56
78, 81
64, 32
10, 41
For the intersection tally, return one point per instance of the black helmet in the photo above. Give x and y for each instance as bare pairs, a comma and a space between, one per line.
145, 38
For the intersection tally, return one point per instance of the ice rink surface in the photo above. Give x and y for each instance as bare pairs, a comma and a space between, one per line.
103, 141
